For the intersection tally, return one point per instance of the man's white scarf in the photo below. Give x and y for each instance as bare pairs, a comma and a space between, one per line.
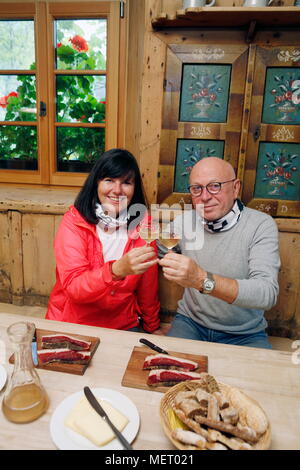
226, 222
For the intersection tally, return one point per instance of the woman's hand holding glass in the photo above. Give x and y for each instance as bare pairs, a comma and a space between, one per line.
136, 261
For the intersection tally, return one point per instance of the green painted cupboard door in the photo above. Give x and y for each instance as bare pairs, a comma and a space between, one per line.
272, 164
202, 111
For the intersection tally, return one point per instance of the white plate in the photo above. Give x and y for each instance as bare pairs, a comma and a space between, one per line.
66, 439
3, 377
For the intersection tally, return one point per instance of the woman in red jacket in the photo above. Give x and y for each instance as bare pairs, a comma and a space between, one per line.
105, 273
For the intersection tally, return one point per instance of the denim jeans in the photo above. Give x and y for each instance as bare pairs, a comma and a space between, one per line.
135, 329
184, 327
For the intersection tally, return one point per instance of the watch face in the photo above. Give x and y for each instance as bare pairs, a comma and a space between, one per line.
208, 285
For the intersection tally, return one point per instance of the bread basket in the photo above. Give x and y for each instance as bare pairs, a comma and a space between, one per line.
246, 405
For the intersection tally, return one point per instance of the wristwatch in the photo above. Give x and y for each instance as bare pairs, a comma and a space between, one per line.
208, 284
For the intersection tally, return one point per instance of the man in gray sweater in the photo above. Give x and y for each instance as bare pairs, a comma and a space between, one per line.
232, 279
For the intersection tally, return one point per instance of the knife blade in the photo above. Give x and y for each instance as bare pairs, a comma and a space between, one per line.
153, 346
34, 348
98, 408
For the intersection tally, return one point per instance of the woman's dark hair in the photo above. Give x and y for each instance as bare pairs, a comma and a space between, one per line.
114, 163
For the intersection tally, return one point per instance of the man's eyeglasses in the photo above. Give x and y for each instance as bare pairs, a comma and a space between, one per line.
212, 188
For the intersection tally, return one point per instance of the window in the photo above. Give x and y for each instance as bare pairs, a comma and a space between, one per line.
59, 89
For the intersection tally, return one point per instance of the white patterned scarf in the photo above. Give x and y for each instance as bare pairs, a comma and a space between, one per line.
226, 222
110, 222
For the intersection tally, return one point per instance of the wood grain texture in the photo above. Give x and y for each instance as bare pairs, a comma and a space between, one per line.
136, 377
227, 16
77, 369
5, 260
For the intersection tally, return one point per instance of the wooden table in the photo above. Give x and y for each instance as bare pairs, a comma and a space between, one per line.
270, 377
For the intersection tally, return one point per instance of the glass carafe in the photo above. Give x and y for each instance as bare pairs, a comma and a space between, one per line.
25, 398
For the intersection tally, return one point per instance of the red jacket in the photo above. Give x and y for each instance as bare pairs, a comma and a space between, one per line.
85, 291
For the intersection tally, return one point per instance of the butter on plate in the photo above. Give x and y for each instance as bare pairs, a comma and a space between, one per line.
84, 420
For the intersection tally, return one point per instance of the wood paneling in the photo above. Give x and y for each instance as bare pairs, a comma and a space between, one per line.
38, 257
29, 219
5, 261
284, 318
144, 92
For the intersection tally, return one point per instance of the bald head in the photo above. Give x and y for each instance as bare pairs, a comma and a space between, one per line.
213, 167
214, 170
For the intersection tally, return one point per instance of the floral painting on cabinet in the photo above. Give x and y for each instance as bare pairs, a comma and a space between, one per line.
204, 93
278, 175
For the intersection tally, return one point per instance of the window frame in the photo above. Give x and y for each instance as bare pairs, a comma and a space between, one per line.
44, 15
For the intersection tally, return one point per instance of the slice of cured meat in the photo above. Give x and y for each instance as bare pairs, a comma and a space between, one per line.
170, 377
68, 356
64, 341
165, 361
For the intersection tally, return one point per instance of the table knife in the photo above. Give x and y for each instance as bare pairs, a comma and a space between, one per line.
98, 408
153, 346
34, 349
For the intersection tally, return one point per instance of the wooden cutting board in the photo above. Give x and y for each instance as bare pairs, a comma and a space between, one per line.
77, 369
136, 377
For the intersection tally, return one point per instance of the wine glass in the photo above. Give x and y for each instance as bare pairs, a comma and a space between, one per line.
149, 230
169, 238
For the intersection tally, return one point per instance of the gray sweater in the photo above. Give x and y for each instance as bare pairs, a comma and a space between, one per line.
248, 252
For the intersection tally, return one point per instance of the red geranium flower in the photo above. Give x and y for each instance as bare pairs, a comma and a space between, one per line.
79, 43
4, 99
59, 44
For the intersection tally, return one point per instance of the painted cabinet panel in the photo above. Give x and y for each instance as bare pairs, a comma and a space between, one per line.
189, 152
202, 111
271, 180
277, 176
281, 96
204, 93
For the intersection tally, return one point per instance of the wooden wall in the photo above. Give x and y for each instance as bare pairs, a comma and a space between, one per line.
29, 219
145, 74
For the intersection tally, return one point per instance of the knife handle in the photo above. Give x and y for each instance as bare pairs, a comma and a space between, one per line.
118, 434
153, 346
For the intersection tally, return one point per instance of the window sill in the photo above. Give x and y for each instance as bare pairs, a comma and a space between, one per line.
36, 200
